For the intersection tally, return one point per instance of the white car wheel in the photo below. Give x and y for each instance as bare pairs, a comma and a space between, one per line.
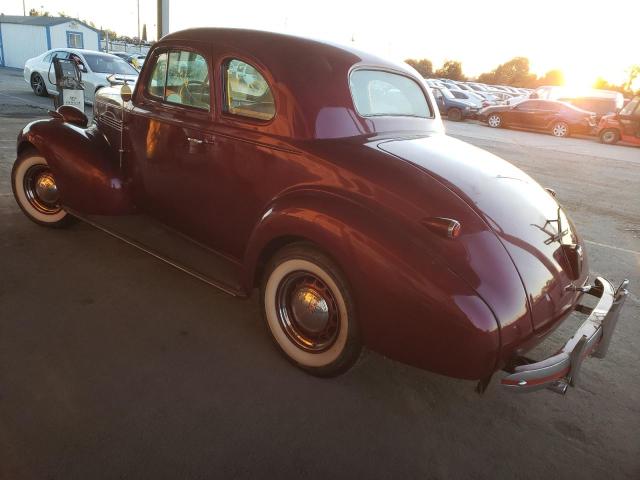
309, 312
36, 192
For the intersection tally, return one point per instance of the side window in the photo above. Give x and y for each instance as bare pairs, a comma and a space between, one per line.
247, 93
48, 58
188, 80
527, 105
158, 78
181, 78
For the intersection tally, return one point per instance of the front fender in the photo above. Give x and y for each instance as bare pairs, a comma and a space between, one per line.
410, 306
85, 166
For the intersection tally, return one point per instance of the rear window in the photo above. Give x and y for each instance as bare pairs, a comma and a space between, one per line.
382, 93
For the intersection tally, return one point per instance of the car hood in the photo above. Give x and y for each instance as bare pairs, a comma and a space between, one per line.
522, 214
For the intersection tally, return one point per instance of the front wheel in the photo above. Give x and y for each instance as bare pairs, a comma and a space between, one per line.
38, 86
36, 191
560, 129
494, 120
610, 136
308, 308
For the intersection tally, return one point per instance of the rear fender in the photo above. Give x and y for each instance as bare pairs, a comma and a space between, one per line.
410, 306
85, 166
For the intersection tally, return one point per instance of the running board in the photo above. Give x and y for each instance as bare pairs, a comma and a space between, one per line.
172, 248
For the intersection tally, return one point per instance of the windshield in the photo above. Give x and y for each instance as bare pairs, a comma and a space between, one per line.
630, 107
382, 93
108, 64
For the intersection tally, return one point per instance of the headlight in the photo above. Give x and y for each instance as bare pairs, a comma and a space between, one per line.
467, 108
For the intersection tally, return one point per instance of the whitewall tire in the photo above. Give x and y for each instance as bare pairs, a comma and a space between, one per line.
309, 311
36, 192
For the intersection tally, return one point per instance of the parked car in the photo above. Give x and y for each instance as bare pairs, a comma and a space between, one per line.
95, 68
338, 194
137, 60
599, 105
122, 55
558, 118
471, 97
455, 109
623, 126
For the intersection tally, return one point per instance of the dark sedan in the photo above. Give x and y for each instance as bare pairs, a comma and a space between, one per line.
559, 118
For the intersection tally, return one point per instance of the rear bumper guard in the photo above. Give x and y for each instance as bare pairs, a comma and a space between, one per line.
561, 370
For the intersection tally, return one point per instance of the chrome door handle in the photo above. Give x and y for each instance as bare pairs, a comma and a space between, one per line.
195, 141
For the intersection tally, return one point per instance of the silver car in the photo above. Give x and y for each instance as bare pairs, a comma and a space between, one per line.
94, 66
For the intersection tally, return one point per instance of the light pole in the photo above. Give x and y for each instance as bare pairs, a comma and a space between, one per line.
139, 26
24, 9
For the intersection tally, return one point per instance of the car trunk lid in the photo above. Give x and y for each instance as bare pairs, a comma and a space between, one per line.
522, 214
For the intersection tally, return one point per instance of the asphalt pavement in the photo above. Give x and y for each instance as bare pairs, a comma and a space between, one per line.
115, 365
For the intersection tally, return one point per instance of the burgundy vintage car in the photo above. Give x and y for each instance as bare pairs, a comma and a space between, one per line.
322, 175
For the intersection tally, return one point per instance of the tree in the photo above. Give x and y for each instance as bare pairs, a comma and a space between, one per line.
423, 66
634, 72
514, 72
63, 14
144, 32
451, 69
38, 13
552, 77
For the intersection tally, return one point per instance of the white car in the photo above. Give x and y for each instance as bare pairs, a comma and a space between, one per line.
94, 66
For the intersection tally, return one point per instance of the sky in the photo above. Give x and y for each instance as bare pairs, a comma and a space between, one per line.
584, 38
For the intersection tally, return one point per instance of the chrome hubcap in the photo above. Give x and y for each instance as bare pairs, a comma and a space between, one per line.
560, 130
307, 311
41, 190
609, 137
494, 121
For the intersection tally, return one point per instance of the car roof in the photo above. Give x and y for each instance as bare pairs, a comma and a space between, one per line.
302, 70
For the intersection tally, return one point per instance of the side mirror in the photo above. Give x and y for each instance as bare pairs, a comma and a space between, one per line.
125, 93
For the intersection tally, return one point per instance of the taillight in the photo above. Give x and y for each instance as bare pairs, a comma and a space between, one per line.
445, 227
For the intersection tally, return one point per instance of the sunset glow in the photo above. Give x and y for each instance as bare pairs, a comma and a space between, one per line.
583, 39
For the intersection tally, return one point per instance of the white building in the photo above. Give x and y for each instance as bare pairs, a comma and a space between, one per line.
22, 38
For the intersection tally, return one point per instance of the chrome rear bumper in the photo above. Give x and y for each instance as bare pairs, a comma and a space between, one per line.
561, 370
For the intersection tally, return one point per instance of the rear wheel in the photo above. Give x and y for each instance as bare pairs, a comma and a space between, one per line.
308, 308
36, 192
560, 129
610, 136
454, 114
38, 86
494, 120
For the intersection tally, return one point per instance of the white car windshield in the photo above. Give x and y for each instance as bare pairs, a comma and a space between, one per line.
99, 63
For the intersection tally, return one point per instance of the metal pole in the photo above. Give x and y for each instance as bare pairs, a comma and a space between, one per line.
24, 9
139, 40
163, 18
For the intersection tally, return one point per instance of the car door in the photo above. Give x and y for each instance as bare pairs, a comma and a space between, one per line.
172, 141
630, 119
523, 114
437, 93
546, 113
